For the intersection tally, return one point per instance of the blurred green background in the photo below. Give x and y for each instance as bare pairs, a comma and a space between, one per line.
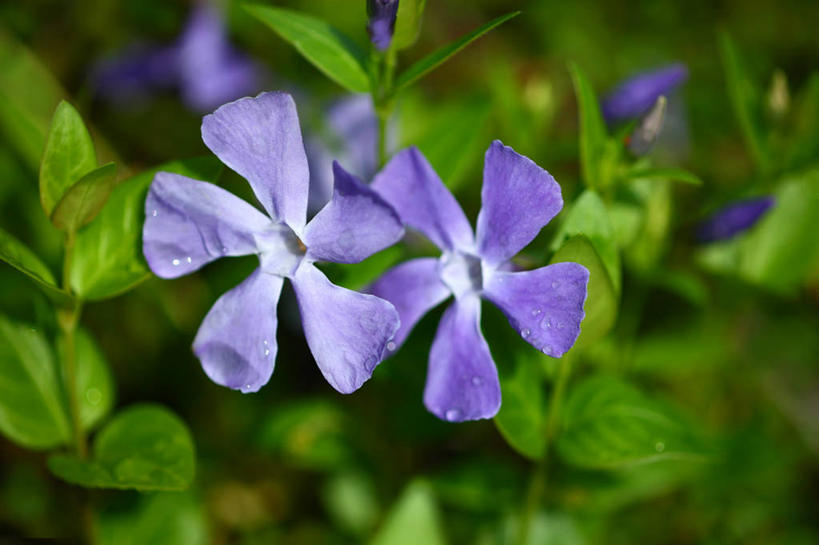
298, 463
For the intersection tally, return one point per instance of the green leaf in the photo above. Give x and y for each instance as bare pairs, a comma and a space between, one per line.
408, 23
351, 500
164, 518
588, 216
108, 253
593, 133
413, 519
145, 447
671, 174
746, 101
19, 256
69, 155
522, 416
610, 424
438, 57
83, 201
95, 385
327, 48
602, 301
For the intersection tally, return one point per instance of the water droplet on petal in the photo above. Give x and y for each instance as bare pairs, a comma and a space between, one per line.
390, 346
535, 311
175, 262
660, 446
266, 352
546, 323
555, 285
188, 259
477, 381
560, 325
453, 415
546, 350
153, 213
525, 333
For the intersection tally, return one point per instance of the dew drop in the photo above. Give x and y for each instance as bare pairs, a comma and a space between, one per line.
555, 285
175, 262
189, 260
560, 325
546, 323
453, 414
153, 213
93, 396
266, 352
247, 387
477, 381
660, 446
390, 346
525, 333
546, 350
535, 312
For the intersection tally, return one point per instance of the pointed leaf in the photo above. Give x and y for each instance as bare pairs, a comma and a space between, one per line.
438, 57
592, 128
145, 447
414, 518
408, 23
671, 174
69, 155
522, 416
83, 201
326, 47
19, 256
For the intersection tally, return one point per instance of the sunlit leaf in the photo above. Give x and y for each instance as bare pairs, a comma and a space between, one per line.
83, 200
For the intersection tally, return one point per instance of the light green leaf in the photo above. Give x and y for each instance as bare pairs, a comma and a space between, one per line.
145, 447
19, 256
95, 385
522, 416
352, 502
413, 519
669, 173
164, 518
602, 301
593, 133
650, 244
83, 201
610, 424
438, 57
69, 155
588, 216
408, 23
746, 101
326, 47
108, 253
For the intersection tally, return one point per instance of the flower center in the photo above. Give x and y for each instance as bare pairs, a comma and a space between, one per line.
280, 250
461, 272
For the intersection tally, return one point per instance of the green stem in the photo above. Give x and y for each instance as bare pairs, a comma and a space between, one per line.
537, 483
383, 102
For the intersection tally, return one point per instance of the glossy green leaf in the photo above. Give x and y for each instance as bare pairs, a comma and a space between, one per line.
164, 518
69, 155
95, 385
668, 173
145, 447
746, 101
602, 300
438, 57
413, 519
19, 256
408, 23
588, 216
522, 416
593, 133
108, 253
338, 57
609, 423
84, 200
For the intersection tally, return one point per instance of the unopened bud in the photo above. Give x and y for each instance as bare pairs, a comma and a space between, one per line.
648, 129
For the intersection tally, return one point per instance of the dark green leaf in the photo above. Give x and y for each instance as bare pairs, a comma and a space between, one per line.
145, 447
670, 173
108, 253
83, 201
95, 386
522, 416
164, 518
327, 48
592, 128
413, 519
601, 303
438, 57
69, 155
19, 256
408, 23
610, 424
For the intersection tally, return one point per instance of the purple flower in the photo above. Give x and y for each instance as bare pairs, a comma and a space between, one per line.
191, 223
635, 96
733, 219
203, 65
544, 305
381, 27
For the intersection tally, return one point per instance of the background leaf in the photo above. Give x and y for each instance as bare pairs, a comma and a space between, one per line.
664, 173
413, 519
145, 447
522, 416
609, 424
327, 48
83, 200
69, 155
163, 518
592, 128
19, 256
108, 253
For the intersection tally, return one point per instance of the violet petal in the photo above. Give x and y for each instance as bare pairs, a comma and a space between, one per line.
381, 26
734, 219
636, 95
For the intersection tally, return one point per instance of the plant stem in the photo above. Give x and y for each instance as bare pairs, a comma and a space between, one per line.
383, 102
537, 482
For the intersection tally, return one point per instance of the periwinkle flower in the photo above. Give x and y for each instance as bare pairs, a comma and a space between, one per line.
545, 305
734, 219
381, 26
202, 64
190, 223
636, 95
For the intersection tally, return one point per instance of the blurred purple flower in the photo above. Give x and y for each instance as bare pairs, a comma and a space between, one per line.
544, 305
636, 95
734, 219
191, 223
202, 64
381, 27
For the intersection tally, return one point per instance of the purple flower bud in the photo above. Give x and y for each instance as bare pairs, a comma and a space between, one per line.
381, 27
733, 219
636, 95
